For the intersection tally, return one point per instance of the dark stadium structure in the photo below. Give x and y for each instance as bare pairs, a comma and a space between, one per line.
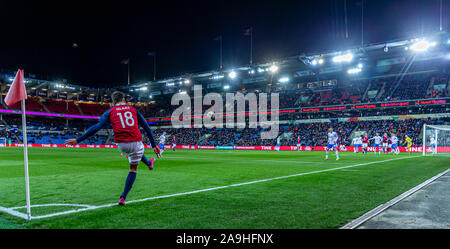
395, 85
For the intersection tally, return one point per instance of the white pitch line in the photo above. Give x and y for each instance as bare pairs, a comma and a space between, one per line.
21, 215
14, 213
54, 205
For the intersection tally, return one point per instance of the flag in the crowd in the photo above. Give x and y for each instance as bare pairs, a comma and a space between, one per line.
125, 61
248, 31
218, 38
17, 91
151, 53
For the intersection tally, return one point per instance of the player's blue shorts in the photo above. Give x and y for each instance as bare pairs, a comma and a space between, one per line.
433, 145
394, 146
329, 146
161, 146
358, 145
376, 145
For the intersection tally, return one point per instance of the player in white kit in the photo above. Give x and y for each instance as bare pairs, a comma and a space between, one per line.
358, 143
332, 143
394, 146
354, 142
377, 143
162, 140
277, 148
433, 145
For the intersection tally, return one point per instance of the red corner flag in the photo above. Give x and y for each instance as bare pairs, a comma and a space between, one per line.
17, 91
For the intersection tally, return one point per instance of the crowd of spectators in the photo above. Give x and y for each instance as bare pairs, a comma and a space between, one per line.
310, 134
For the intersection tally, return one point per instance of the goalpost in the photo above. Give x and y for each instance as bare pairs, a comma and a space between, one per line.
436, 139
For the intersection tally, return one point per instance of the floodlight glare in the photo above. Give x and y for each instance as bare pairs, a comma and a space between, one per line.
354, 70
232, 75
360, 65
226, 87
422, 46
343, 58
273, 68
260, 70
284, 80
187, 81
314, 62
321, 61
216, 77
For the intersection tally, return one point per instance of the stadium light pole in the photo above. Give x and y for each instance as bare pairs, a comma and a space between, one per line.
154, 63
362, 23
249, 32
440, 16
219, 39
128, 64
221, 64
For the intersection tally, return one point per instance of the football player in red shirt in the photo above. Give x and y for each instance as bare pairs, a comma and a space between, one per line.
385, 144
124, 120
365, 141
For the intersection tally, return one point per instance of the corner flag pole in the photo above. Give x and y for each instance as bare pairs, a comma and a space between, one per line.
25, 155
17, 92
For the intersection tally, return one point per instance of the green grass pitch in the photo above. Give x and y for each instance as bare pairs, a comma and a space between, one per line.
95, 177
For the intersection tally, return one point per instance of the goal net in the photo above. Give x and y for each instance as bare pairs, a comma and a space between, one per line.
436, 139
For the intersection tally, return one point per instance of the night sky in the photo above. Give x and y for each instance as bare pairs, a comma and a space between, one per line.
40, 37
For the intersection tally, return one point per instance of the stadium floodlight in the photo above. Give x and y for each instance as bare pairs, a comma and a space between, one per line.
260, 70
226, 87
319, 61
283, 80
354, 70
216, 77
343, 58
151, 96
232, 75
143, 88
273, 68
186, 81
251, 71
360, 65
170, 84
422, 46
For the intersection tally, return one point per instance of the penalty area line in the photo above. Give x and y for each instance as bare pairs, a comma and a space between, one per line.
21, 215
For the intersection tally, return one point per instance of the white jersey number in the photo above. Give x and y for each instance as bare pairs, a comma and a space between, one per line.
128, 119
